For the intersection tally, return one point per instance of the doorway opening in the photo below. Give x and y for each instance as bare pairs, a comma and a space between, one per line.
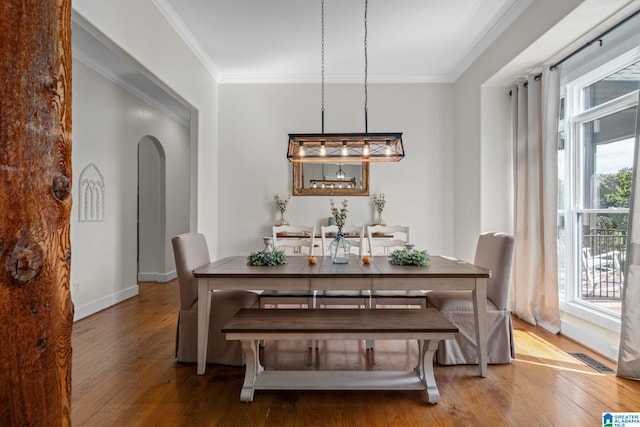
152, 209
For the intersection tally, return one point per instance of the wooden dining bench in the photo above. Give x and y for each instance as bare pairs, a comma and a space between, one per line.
427, 326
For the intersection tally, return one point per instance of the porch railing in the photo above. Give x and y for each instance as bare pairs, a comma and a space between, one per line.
603, 258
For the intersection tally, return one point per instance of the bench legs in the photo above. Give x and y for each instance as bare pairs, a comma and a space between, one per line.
421, 378
426, 351
253, 368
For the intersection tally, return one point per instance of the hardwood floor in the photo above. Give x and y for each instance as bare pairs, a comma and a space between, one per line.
125, 374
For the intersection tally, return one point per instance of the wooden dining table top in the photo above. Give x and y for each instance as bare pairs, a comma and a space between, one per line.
379, 267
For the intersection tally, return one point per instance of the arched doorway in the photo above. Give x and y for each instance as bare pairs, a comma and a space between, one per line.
152, 209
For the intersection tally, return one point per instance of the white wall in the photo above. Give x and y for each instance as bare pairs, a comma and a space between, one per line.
140, 30
109, 122
482, 129
255, 121
496, 203
142, 33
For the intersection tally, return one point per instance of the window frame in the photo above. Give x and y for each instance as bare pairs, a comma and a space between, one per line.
574, 159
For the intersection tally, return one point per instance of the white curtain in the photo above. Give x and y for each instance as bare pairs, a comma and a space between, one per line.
534, 109
629, 353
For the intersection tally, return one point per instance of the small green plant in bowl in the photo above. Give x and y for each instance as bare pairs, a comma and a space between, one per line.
275, 257
410, 257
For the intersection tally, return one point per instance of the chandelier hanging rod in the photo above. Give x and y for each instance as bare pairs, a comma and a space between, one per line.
345, 147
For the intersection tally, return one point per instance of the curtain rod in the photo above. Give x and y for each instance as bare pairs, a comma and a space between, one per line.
597, 39
526, 84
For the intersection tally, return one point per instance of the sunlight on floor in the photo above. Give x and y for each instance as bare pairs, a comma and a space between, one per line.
535, 350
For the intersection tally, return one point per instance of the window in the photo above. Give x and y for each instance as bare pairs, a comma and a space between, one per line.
595, 167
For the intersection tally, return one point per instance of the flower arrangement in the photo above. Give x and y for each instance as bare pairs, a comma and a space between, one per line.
275, 257
282, 203
340, 247
410, 257
339, 214
379, 202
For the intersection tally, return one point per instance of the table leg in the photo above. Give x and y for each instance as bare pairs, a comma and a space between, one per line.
204, 312
252, 369
480, 311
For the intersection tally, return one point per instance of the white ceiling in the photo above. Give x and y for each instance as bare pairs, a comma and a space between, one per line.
280, 40
248, 41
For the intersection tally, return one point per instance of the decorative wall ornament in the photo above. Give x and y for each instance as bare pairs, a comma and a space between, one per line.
91, 195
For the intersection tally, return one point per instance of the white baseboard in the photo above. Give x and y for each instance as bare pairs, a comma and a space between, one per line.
83, 311
157, 277
592, 339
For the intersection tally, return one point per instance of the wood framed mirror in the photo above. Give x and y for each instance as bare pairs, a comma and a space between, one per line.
330, 179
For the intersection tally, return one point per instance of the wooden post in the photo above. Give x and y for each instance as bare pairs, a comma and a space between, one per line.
36, 312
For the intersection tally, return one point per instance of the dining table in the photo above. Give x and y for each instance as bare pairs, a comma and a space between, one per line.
442, 273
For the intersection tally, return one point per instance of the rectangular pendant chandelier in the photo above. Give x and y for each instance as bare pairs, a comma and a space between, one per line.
345, 147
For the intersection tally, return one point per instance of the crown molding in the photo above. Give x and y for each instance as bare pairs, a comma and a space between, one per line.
183, 31
514, 11
332, 79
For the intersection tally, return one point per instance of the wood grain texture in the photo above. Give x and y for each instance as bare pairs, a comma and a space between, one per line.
36, 312
297, 266
125, 373
338, 320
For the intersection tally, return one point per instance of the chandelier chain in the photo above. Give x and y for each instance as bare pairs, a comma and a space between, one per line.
366, 69
322, 57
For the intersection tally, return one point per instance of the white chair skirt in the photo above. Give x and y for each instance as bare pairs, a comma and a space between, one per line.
462, 349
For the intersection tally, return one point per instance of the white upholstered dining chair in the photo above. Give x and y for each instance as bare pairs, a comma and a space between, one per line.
495, 252
300, 239
191, 251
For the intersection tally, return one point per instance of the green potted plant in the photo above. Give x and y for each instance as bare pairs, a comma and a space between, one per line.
410, 256
263, 258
